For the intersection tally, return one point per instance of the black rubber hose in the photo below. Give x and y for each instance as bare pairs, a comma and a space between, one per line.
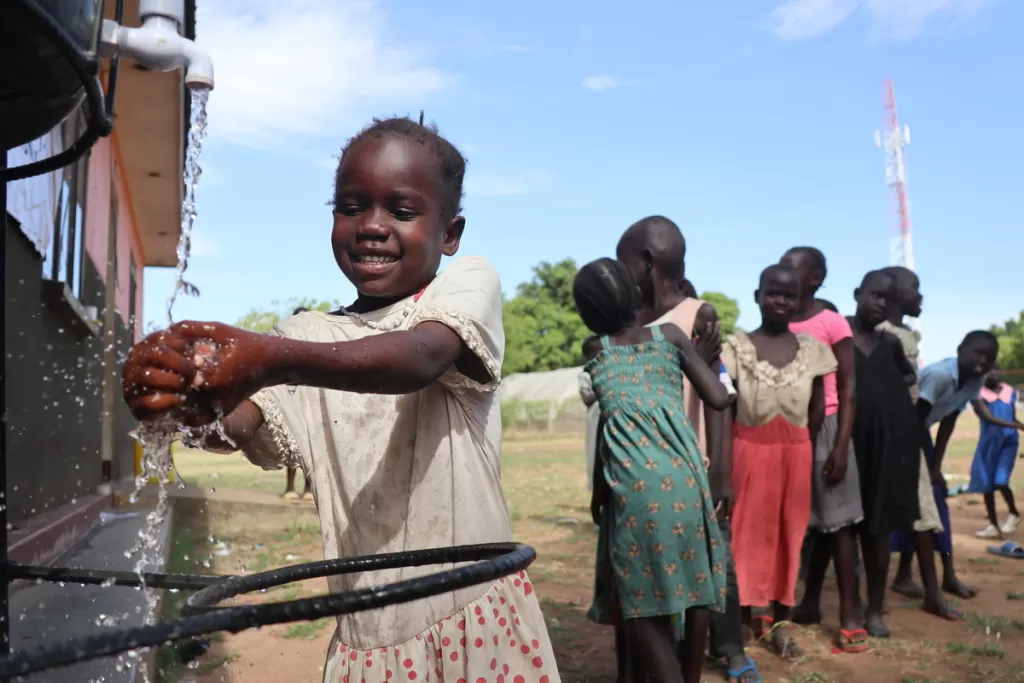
100, 122
113, 578
498, 560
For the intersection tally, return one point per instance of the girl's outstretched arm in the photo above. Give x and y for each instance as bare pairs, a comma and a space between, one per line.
982, 411
400, 362
244, 362
704, 380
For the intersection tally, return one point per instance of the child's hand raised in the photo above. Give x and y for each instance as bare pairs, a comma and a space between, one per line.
708, 342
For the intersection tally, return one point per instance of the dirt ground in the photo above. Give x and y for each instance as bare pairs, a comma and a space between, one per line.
546, 488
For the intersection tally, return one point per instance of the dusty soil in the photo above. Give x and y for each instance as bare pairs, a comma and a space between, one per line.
548, 497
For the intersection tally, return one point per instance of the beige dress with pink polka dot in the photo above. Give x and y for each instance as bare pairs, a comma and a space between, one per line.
423, 470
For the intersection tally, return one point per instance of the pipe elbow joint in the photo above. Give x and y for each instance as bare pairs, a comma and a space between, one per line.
198, 67
157, 45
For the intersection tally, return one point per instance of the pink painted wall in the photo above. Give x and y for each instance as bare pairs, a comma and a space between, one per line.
103, 173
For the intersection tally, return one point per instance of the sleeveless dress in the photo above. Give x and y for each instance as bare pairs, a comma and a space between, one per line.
663, 552
997, 447
887, 443
930, 519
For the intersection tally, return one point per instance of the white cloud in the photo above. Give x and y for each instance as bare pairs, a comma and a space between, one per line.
800, 19
490, 185
298, 67
602, 82
905, 20
890, 19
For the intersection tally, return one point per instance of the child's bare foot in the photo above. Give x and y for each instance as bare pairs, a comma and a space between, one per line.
290, 495
955, 586
941, 608
805, 615
876, 627
783, 644
907, 588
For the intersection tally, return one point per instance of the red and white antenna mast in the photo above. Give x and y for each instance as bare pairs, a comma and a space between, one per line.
891, 139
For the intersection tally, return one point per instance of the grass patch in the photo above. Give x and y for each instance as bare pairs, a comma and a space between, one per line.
996, 624
213, 470
812, 677
307, 630
187, 547
986, 650
546, 488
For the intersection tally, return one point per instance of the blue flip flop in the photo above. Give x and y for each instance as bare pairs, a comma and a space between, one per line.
737, 674
1008, 549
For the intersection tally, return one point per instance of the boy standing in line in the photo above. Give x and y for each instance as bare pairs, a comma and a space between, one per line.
945, 390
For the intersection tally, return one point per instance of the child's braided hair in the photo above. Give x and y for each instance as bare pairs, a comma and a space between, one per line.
606, 296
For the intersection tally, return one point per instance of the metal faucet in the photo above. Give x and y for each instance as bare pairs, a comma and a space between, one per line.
158, 43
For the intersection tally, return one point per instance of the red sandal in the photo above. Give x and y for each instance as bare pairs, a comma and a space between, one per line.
854, 642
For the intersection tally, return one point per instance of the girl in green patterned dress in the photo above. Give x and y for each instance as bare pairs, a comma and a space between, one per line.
663, 546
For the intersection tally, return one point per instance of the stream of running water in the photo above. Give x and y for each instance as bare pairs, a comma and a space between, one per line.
156, 437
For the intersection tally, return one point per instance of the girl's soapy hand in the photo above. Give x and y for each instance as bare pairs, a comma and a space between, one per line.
194, 372
231, 364
157, 375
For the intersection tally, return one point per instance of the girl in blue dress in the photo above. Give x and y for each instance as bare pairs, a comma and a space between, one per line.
663, 549
997, 451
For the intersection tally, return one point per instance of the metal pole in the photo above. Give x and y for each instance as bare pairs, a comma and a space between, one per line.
5, 622
109, 345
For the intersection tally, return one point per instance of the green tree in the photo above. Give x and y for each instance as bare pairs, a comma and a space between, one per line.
728, 310
264, 320
1011, 343
542, 328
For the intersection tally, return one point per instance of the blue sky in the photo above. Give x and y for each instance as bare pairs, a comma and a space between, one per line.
750, 124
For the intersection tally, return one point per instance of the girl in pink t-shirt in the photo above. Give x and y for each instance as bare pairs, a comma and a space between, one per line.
836, 500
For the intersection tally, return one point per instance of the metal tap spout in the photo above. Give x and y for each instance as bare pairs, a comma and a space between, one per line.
158, 43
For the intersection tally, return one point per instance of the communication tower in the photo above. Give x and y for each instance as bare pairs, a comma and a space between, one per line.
891, 139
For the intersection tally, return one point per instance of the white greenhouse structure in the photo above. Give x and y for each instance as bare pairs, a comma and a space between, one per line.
543, 403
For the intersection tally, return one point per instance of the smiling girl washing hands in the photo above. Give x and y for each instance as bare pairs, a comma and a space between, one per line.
389, 405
